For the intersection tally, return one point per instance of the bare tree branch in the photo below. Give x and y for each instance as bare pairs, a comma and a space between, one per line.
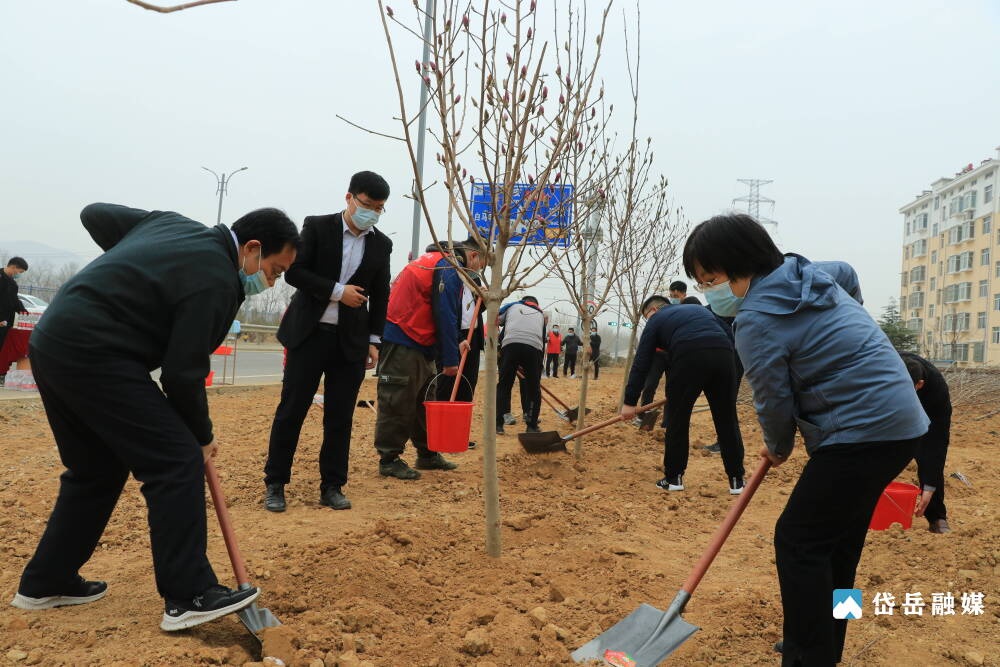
175, 8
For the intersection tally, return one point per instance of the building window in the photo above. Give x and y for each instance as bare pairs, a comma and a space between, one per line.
915, 324
981, 320
934, 282
987, 224
978, 352
996, 302
934, 229
984, 288
933, 258
920, 248
937, 203
958, 292
918, 274
959, 352
995, 336
988, 193
916, 300
984, 257
930, 310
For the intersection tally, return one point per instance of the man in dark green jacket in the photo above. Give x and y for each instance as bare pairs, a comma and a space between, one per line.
162, 295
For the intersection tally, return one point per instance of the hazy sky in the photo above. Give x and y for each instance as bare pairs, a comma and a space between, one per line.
851, 107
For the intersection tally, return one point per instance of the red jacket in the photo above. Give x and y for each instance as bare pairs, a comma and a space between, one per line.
410, 299
555, 343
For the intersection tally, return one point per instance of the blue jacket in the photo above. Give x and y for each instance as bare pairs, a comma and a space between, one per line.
816, 360
676, 329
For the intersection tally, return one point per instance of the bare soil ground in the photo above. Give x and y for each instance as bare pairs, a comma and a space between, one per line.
402, 579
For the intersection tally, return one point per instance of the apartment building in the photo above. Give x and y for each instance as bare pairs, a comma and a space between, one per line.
950, 283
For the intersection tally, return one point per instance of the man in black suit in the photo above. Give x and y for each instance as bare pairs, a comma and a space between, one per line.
10, 304
333, 328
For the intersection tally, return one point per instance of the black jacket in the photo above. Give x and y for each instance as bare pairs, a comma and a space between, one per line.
675, 329
315, 272
163, 294
936, 402
10, 304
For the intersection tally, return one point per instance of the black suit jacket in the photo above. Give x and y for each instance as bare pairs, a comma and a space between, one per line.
10, 304
315, 272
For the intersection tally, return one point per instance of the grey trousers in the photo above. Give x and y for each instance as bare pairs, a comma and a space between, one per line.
403, 377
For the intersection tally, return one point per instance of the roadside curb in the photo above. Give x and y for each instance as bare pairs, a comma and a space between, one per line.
17, 397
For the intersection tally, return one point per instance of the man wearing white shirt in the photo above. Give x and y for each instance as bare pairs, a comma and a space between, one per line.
332, 328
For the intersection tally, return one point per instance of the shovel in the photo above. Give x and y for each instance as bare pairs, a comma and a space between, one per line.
253, 617
551, 441
567, 414
647, 636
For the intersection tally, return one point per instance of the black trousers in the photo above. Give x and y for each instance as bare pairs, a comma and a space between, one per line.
819, 537
931, 454
569, 364
319, 355
529, 360
712, 371
109, 419
552, 364
657, 368
466, 386
597, 366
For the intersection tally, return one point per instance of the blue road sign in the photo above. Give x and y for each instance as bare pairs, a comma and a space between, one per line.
541, 216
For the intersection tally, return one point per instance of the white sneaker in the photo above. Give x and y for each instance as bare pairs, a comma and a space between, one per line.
675, 483
736, 485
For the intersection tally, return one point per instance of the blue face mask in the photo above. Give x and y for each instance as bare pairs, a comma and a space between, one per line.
673, 299
254, 284
363, 218
722, 300
16, 276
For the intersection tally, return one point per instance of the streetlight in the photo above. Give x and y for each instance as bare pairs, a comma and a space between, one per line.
222, 183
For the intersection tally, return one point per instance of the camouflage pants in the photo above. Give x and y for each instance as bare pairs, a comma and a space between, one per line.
403, 377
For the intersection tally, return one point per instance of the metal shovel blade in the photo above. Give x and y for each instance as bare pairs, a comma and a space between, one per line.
646, 637
573, 413
542, 443
256, 619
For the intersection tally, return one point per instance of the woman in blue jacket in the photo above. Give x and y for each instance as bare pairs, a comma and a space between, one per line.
816, 362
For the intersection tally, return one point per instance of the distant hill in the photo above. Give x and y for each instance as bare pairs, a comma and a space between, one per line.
35, 252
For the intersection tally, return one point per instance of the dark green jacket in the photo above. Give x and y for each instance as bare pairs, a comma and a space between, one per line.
163, 294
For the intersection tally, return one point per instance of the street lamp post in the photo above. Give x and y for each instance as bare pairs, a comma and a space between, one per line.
222, 183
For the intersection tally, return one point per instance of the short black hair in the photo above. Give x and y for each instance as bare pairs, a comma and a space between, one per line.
735, 244
915, 369
369, 183
18, 262
678, 286
572, 329
270, 226
655, 299
529, 298
691, 301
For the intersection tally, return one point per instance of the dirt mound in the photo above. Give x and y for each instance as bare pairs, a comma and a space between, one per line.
402, 579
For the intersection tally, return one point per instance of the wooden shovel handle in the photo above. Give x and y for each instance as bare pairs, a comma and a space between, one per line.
219, 500
613, 420
548, 391
726, 527
468, 339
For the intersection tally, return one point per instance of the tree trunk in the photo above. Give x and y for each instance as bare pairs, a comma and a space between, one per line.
581, 420
491, 483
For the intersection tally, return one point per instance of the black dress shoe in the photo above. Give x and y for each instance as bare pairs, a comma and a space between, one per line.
333, 497
274, 498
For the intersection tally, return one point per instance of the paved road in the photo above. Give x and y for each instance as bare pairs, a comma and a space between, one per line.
254, 365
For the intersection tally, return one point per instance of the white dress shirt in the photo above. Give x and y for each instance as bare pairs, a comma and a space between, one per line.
468, 304
353, 252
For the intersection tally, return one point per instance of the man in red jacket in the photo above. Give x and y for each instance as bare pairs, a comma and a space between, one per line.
552, 347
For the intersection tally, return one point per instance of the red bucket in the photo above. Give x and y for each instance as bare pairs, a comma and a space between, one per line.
895, 505
448, 425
